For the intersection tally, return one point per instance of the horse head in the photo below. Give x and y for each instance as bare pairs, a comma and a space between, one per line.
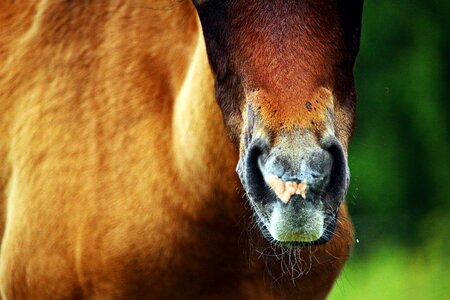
284, 81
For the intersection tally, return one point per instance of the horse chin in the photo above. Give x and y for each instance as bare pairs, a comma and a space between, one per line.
294, 226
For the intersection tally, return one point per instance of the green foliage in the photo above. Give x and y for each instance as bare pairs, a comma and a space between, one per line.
400, 155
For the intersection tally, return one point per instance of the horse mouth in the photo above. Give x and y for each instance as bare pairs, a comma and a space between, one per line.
295, 224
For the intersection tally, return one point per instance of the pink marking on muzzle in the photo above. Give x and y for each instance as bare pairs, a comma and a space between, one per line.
285, 190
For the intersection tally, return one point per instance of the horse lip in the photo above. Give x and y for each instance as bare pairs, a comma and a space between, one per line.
264, 209
328, 233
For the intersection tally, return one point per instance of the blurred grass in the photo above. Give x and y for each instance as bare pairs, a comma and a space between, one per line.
395, 272
391, 270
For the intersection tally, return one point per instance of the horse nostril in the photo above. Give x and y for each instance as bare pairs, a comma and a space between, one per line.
313, 172
250, 172
339, 171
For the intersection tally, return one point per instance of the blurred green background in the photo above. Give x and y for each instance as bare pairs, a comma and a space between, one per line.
400, 155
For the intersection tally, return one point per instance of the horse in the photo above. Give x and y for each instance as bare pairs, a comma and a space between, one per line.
175, 149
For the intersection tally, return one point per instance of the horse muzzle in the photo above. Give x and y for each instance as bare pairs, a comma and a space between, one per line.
295, 184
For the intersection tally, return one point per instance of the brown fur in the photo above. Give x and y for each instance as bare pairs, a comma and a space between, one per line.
115, 169
293, 72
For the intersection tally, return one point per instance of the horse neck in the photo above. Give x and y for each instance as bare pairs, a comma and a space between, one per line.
156, 55
204, 155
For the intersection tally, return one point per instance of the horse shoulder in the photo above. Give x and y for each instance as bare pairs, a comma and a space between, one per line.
85, 101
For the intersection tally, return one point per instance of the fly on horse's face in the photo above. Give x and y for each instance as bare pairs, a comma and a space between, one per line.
284, 81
